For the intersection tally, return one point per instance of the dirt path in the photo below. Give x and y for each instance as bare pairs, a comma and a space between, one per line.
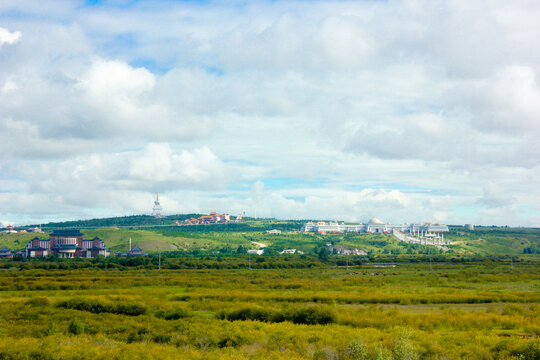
260, 245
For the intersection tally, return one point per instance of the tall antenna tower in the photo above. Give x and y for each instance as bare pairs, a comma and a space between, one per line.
157, 209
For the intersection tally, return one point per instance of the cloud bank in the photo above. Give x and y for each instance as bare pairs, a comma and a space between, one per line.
404, 110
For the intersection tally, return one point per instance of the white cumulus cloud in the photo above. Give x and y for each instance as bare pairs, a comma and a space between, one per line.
8, 37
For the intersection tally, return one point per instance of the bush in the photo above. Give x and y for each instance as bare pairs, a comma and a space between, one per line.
309, 315
531, 351
174, 314
52, 329
231, 340
356, 351
38, 301
96, 307
249, 313
76, 327
313, 315
162, 339
131, 309
404, 348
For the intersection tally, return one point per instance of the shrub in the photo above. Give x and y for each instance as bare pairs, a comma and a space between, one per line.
174, 314
96, 307
356, 350
531, 351
52, 329
162, 339
312, 315
404, 348
76, 327
379, 353
249, 313
232, 340
38, 301
309, 315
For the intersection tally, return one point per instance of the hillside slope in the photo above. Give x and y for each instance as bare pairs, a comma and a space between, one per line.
152, 238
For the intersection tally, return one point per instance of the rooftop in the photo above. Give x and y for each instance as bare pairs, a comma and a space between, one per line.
64, 232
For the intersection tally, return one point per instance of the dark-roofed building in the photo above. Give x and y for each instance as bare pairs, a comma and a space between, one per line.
5, 253
38, 247
66, 244
136, 251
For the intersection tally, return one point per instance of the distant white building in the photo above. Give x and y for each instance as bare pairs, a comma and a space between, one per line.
427, 233
258, 252
288, 251
469, 227
343, 250
273, 231
375, 226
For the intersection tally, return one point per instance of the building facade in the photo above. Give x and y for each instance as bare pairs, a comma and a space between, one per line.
66, 244
212, 218
376, 226
373, 226
5, 253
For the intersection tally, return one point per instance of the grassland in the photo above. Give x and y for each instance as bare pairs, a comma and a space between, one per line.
495, 240
473, 311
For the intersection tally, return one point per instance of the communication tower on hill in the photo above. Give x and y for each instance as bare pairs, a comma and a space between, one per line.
157, 209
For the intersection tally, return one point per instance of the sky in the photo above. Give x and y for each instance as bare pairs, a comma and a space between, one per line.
408, 111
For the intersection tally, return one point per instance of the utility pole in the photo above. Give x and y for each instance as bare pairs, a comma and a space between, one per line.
512, 262
159, 262
249, 260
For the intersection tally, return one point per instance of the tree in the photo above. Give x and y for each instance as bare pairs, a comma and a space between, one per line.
323, 254
241, 250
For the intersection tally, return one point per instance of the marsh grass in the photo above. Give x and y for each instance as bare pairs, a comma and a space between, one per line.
473, 311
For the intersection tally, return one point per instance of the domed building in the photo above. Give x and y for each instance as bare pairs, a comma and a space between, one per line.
376, 226
424, 233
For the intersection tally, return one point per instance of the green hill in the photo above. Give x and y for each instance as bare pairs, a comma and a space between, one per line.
120, 221
18, 241
495, 240
153, 235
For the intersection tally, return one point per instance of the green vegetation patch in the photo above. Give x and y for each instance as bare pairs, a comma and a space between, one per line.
309, 315
97, 307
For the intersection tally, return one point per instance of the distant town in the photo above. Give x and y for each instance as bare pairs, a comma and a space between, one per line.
70, 243
426, 234
212, 218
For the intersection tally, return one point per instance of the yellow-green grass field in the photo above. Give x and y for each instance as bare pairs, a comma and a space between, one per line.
472, 311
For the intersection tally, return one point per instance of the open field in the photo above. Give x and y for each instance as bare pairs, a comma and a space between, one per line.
473, 311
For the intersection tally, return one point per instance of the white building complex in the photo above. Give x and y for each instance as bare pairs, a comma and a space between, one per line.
428, 233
